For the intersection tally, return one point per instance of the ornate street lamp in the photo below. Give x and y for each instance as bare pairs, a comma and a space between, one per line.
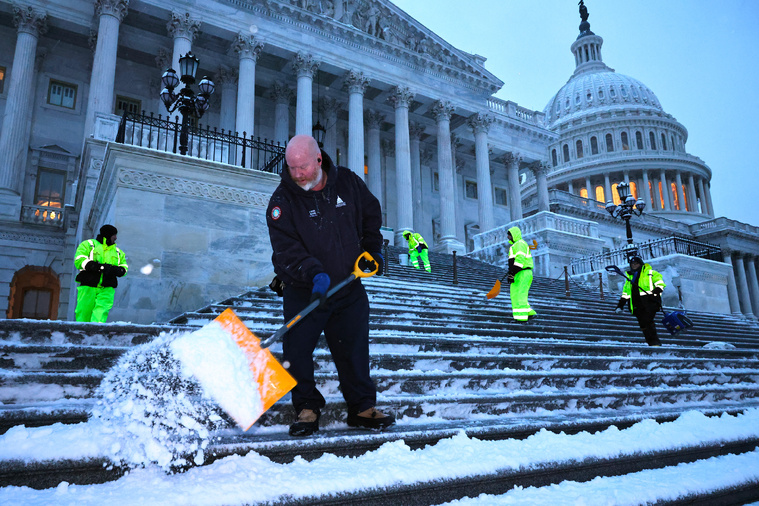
186, 101
318, 130
627, 207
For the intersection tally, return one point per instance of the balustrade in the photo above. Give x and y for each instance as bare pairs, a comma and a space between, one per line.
41, 215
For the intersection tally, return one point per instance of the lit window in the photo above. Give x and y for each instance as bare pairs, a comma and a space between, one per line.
676, 200
625, 142
609, 143
500, 196
639, 140
685, 197
129, 105
634, 189
593, 145
435, 181
554, 158
615, 194
470, 189
2, 79
565, 151
584, 193
652, 139
578, 146
50, 186
663, 142
61, 94
600, 194
661, 195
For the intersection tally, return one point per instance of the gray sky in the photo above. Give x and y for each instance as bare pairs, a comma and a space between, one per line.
699, 57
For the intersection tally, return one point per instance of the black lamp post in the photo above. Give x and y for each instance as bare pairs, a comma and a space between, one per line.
627, 207
186, 101
318, 130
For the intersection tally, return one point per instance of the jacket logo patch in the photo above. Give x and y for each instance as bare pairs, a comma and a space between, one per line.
276, 213
340, 202
313, 213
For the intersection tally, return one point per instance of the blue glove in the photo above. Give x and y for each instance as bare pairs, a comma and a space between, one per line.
321, 285
419, 248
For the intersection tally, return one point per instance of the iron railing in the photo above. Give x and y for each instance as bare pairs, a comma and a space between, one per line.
162, 134
647, 250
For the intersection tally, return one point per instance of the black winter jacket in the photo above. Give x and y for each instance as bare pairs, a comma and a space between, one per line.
322, 231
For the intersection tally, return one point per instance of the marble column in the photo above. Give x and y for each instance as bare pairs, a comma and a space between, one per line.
680, 193
304, 67
645, 192
401, 98
607, 188
702, 197
571, 188
14, 136
227, 79
387, 148
373, 120
753, 283
415, 134
666, 191
589, 188
282, 96
183, 28
692, 194
540, 170
247, 49
742, 284
356, 84
110, 14
329, 107
448, 241
732, 287
708, 194
512, 161
480, 124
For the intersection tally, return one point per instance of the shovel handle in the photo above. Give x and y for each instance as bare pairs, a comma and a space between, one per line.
357, 273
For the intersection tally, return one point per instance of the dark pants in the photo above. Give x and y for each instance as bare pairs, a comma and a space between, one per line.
645, 308
345, 321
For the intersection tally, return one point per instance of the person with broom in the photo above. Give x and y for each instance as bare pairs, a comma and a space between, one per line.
417, 248
520, 276
642, 294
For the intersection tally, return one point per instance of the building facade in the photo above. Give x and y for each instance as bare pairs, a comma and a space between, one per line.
413, 115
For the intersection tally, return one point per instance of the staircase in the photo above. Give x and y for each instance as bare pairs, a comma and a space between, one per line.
444, 359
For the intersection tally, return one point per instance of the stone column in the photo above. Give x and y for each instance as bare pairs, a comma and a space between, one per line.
646, 193
183, 28
448, 242
512, 161
708, 194
356, 84
247, 49
571, 188
680, 193
387, 149
304, 67
608, 195
692, 194
742, 284
373, 120
401, 98
589, 188
753, 283
227, 79
540, 170
14, 136
732, 287
480, 124
282, 96
329, 107
702, 193
110, 14
415, 134
666, 191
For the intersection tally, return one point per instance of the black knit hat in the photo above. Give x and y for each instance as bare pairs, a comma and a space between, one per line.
637, 259
108, 231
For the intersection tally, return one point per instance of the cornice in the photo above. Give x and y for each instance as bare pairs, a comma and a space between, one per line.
26, 237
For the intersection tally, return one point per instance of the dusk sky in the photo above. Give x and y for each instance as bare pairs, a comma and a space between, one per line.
697, 56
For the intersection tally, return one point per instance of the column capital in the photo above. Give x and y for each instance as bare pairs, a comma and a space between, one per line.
163, 59
480, 122
442, 109
539, 168
115, 8
425, 156
373, 119
460, 166
329, 105
29, 20
305, 65
455, 141
247, 46
388, 147
415, 130
511, 158
225, 75
355, 82
400, 96
183, 25
281, 93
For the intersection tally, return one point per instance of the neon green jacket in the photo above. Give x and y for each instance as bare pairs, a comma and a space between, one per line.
519, 252
647, 281
415, 240
92, 250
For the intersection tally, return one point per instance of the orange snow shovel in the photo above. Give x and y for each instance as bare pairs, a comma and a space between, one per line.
497, 286
272, 379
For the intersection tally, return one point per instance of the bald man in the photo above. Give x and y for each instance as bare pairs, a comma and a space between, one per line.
321, 218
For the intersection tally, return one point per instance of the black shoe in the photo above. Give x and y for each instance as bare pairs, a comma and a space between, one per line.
370, 419
532, 317
522, 322
307, 423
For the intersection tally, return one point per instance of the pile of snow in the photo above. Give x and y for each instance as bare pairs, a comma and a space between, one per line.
719, 345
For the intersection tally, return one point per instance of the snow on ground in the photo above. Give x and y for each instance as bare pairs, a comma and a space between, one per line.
253, 478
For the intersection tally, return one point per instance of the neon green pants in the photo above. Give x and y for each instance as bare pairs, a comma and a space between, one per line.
414, 257
519, 289
93, 303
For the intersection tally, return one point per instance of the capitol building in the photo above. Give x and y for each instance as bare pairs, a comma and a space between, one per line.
87, 139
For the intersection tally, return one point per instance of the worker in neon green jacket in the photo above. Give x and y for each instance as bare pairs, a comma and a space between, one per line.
100, 263
417, 247
642, 294
519, 276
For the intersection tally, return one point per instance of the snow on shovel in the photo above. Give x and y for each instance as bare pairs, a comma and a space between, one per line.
270, 379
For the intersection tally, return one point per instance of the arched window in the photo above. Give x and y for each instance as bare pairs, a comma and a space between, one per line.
601, 93
651, 196
577, 99
663, 142
593, 145
639, 140
661, 195
600, 194
672, 138
625, 142
673, 187
34, 293
612, 92
589, 97
652, 139
565, 151
609, 143
584, 192
624, 91
615, 195
554, 159
634, 189
578, 147
685, 197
